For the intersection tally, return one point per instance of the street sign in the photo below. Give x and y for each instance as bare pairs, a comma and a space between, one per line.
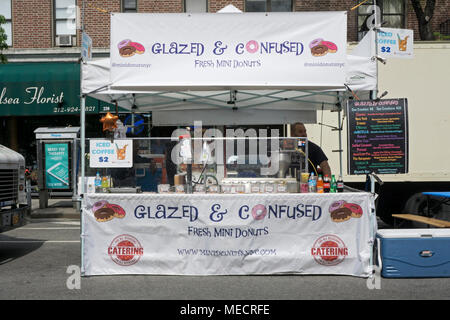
86, 47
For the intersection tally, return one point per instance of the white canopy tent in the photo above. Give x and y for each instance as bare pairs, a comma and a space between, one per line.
230, 107
225, 104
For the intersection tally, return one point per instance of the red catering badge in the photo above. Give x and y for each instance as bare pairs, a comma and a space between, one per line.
125, 250
329, 250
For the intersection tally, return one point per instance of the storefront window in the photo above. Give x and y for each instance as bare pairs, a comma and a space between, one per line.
268, 5
195, 6
392, 14
5, 11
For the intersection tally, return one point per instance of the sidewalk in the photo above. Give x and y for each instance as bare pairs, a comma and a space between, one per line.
57, 208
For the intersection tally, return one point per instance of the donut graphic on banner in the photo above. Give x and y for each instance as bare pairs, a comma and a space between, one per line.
104, 211
319, 47
252, 46
341, 211
259, 212
128, 48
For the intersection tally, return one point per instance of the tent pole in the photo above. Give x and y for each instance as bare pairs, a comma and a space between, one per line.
83, 142
374, 93
340, 139
82, 138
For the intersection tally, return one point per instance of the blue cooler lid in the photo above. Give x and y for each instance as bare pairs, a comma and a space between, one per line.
445, 194
414, 233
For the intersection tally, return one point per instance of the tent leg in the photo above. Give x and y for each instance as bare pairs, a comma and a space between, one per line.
83, 159
340, 140
82, 139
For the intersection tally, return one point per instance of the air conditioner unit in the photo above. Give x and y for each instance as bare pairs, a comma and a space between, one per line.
64, 40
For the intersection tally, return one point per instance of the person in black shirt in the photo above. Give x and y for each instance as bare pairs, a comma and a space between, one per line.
315, 153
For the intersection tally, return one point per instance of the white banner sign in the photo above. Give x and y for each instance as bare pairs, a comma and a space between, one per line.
395, 43
233, 50
111, 154
205, 234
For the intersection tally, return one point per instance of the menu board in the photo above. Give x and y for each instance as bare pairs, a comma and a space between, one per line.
377, 136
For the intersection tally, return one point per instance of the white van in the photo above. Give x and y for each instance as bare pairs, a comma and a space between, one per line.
13, 200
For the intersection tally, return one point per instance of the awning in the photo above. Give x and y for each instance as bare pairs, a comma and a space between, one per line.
29, 89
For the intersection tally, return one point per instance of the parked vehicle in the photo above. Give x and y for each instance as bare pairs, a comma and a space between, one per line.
13, 200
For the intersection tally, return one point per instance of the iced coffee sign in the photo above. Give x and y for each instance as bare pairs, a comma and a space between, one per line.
395, 43
111, 154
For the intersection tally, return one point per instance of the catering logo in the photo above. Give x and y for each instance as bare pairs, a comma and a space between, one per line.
125, 250
319, 47
329, 250
127, 48
104, 211
341, 211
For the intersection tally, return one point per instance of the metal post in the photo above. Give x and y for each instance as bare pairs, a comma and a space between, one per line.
28, 190
340, 139
82, 146
82, 141
374, 93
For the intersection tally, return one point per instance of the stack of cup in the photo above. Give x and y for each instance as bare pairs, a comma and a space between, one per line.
304, 182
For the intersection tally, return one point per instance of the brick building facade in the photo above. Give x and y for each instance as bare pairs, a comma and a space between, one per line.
33, 21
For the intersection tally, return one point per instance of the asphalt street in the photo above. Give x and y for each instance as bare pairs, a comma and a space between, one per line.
35, 260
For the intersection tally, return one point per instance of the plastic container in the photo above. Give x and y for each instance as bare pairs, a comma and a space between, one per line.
255, 187
326, 184
98, 181
281, 187
340, 184
214, 188
269, 187
319, 184
105, 182
312, 183
304, 187
163, 188
333, 186
414, 253
180, 188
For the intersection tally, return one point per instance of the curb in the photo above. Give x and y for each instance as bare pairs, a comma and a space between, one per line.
55, 213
